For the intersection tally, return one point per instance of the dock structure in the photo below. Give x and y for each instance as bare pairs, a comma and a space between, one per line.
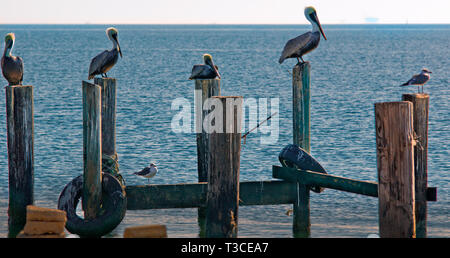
401, 135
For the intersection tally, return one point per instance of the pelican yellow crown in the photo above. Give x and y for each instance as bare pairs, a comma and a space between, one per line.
10, 37
309, 10
112, 31
207, 57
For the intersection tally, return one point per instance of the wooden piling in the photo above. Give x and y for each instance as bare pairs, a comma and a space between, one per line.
204, 89
20, 134
395, 163
92, 149
222, 200
108, 93
420, 117
301, 134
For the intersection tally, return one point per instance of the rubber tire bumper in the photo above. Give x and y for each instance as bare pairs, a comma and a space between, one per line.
113, 208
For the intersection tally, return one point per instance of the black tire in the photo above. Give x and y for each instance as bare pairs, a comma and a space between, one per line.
114, 206
293, 156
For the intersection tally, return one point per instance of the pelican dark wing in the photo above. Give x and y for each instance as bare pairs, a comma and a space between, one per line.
417, 79
300, 45
203, 72
12, 69
103, 62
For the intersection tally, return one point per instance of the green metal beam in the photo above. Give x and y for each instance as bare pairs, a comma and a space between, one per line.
326, 180
193, 195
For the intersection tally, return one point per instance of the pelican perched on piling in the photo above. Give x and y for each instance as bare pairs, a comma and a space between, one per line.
104, 61
305, 43
419, 79
12, 66
205, 71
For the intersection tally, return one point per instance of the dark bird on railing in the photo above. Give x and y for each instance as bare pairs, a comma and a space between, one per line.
148, 172
419, 79
12, 66
104, 61
205, 71
305, 43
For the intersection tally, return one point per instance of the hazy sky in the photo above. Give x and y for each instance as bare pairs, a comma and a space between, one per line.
222, 12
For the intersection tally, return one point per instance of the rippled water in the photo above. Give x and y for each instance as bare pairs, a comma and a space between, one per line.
357, 66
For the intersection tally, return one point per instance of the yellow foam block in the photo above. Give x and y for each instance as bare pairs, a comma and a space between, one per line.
35, 213
23, 235
147, 231
44, 227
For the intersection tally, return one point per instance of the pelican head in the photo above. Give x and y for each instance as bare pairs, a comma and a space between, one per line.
311, 15
207, 58
9, 42
425, 70
112, 33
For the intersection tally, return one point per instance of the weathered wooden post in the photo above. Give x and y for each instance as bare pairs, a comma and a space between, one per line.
20, 134
92, 149
420, 107
204, 89
222, 199
395, 161
301, 133
109, 100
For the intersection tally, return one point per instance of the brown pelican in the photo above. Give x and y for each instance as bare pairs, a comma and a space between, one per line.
305, 43
12, 66
205, 71
104, 61
419, 79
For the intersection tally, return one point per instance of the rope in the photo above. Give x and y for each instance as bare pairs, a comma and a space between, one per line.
110, 165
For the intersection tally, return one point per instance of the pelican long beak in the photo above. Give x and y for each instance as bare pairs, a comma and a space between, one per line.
217, 72
118, 45
211, 64
320, 26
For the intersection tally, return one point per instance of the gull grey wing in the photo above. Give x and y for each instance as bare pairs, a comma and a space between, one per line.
97, 63
144, 171
417, 79
294, 46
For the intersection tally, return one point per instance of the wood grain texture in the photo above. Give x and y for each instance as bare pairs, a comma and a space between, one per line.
109, 93
223, 172
420, 109
204, 89
92, 149
20, 138
395, 163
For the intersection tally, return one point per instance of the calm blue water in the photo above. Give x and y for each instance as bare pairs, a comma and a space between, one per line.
358, 66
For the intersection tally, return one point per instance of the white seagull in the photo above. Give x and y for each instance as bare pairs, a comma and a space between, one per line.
419, 79
148, 172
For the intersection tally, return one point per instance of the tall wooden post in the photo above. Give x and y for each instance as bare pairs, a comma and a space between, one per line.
420, 107
108, 94
204, 89
395, 162
301, 133
20, 134
92, 149
222, 199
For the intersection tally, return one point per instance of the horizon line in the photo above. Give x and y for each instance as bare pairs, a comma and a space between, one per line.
216, 23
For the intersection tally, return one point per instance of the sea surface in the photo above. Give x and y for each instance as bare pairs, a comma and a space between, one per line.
356, 67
